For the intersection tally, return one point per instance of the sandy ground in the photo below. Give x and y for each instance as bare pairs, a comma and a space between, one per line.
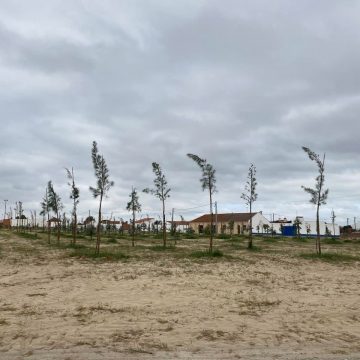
261, 305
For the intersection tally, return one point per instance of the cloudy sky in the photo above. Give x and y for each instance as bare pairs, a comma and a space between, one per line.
233, 81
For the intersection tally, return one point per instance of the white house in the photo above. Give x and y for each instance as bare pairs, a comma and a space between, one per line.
307, 227
239, 222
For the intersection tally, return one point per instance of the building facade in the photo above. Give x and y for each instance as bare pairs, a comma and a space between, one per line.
231, 223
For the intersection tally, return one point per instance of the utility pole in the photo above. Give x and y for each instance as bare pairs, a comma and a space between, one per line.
272, 225
347, 221
216, 217
355, 223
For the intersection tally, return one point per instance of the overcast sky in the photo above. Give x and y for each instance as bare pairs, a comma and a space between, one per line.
232, 81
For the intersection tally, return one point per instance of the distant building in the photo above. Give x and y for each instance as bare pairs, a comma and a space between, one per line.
306, 227
180, 225
222, 223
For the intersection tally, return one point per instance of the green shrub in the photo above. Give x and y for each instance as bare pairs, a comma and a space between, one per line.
206, 253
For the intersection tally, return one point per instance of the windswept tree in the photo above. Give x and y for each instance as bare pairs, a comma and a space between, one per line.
56, 206
161, 191
134, 206
250, 196
45, 211
318, 194
103, 185
208, 182
74, 196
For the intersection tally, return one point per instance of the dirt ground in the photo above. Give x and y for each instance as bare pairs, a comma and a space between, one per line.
265, 304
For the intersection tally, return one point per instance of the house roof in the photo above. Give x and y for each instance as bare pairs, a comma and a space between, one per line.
143, 220
179, 222
237, 217
111, 222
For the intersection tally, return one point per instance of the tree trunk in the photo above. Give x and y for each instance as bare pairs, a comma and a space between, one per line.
211, 224
318, 244
164, 224
58, 230
250, 244
97, 249
133, 229
75, 228
48, 227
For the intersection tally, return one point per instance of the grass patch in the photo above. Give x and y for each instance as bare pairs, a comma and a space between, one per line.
105, 254
74, 246
224, 236
27, 235
302, 239
112, 241
331, 241
162, 248
331, 257
206, 254
271, 239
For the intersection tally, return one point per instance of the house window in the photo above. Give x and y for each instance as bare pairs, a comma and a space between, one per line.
201, 229
238, 229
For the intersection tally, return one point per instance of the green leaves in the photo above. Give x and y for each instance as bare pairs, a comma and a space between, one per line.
208, 179
103, 183
318, 195
133, 204
75, 192
250, 194
54, 200
161, 190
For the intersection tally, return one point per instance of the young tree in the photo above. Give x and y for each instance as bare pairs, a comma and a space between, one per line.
207, 181
231, 227
297, 224
134, 206
318, 194
161, 191
250, 197
56, 206
45, 210
74, 195
103, 185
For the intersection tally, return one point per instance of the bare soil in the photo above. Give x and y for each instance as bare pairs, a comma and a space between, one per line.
264, 304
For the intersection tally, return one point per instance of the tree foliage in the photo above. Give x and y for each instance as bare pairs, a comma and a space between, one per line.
74, 195
318, 195
250, 196
55, 205
103, 185
134, 206
208, 182
161, 191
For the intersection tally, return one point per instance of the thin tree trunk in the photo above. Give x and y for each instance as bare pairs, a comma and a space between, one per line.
97, 249
164, 224
133, 229
58, 230
48, 227
211, 223
250, 244
318, 244
75, 228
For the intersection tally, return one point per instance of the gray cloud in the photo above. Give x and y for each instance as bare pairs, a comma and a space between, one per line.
235, 82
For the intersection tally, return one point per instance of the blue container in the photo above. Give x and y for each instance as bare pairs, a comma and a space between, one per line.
289, 230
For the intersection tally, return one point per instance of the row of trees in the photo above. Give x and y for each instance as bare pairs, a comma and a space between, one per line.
52, 201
